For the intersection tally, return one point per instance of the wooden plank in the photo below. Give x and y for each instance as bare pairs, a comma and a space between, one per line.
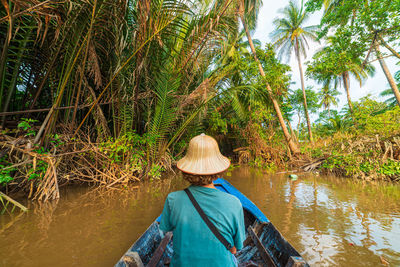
261, 249
132, 259
296, 262
160, 250
257, 228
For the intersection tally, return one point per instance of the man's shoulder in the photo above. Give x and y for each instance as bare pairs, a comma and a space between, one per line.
226, 198
230, 199
176, 195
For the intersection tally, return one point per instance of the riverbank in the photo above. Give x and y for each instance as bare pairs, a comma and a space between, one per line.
36, 173
367, 157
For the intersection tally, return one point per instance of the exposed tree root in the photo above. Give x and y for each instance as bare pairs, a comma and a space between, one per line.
40, 174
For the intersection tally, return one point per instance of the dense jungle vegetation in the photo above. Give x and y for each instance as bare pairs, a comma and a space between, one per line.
109, 92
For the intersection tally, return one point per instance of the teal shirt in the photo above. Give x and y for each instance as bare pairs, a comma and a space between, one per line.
193, 242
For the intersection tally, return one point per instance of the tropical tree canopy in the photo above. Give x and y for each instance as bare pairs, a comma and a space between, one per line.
290, 33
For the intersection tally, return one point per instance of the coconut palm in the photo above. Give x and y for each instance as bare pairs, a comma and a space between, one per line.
334, 64
248, 11
389, 76
391, 101
328, 98
295, 100
290, 35
374, 28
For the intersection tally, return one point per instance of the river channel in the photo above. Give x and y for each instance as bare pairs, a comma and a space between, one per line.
329, 220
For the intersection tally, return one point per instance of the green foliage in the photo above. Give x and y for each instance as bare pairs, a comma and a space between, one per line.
56, 140
360, 150
38, 171
164, 71
361, 166
347, 165
375, 118
32, 171
295, 100
372, 118
26, 125
343, 55
331, 122
391, 101
217, 123
363, 18
391, 168
6, 171
277, 73
328, 97
128, 150
155, 172
259, 162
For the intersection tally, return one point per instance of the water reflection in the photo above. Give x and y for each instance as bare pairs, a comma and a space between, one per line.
330, 221
86, 227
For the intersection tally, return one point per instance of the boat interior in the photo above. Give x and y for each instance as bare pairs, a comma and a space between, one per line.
264, 246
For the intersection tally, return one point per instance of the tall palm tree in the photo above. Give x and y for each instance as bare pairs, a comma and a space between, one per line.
290, 36
248, 10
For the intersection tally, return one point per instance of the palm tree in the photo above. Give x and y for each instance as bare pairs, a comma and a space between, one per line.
290, 36
336, 62
335, 122
391, 101
328, 98
295, 99
376, 34
248, 10
389, 76
354, 66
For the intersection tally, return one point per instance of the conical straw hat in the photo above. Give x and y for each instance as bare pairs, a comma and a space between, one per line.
203, 157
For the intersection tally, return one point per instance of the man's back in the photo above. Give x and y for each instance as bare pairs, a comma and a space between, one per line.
194, 243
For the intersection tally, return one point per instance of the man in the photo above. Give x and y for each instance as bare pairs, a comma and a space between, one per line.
194, 243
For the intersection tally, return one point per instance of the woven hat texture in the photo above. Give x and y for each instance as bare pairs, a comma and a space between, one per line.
203, 157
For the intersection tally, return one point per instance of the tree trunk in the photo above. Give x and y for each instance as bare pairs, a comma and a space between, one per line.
3, 58
100, 119
388, 75
291, 131
293, 147
304, 91
83, 66
48, 72
388, 47
346, 84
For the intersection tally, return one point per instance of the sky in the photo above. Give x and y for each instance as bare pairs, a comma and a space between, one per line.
373, 86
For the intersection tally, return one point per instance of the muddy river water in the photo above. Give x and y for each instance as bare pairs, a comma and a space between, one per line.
330, 221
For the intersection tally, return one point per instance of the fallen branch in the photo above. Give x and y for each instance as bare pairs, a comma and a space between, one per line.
313, 165
15, 203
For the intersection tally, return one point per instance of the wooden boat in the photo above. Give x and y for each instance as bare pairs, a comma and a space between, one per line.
264, 245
